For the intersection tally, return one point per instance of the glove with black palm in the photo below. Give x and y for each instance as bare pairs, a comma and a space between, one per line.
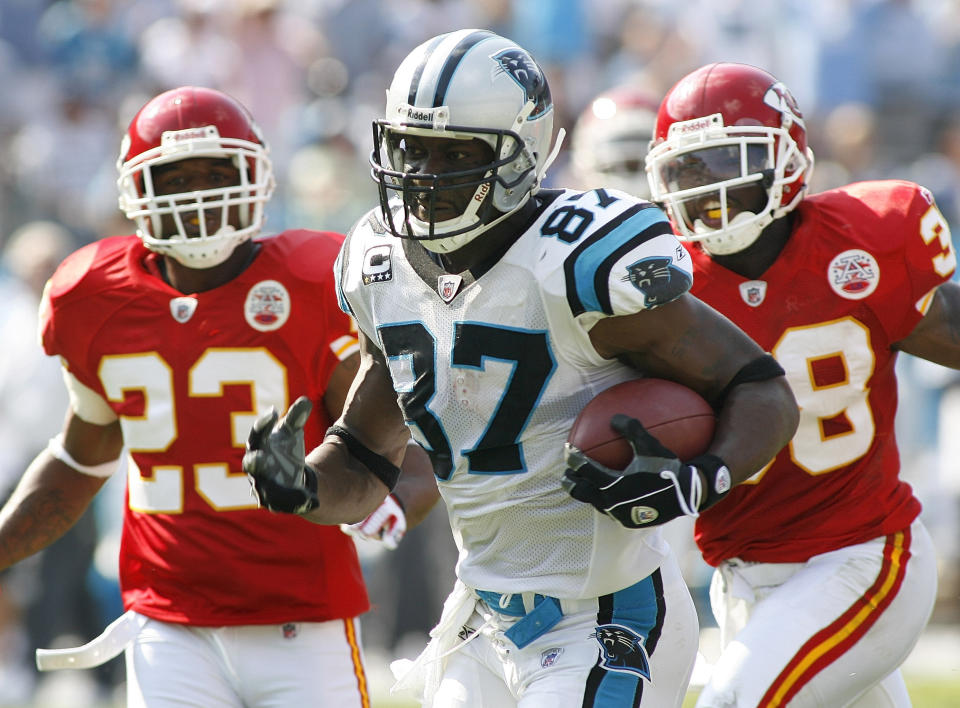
275, 461
655, 487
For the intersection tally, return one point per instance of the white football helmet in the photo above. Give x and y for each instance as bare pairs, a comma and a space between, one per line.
723, 131
464, 85
183, 123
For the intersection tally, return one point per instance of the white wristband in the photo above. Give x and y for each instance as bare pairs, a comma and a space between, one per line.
104, 469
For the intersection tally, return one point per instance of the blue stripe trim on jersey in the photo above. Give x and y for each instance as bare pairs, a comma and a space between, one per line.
587, 269
453, 61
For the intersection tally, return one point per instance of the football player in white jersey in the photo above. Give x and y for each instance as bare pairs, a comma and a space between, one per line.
490, 311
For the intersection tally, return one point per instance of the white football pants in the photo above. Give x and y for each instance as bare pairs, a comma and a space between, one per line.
830, 632
590, 658
270, 666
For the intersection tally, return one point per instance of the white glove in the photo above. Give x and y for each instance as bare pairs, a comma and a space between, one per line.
387, 524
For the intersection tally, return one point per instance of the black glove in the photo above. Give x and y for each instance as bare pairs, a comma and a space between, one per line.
656, 486
274, 461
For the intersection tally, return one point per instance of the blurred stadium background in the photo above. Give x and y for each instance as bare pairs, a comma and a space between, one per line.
877, 80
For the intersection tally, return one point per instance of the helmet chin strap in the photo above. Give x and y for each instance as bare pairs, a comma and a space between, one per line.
740, 233
452, 243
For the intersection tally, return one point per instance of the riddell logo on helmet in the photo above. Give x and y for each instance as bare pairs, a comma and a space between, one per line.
684, 127
420, 114
179, 136
437, 118
482, 192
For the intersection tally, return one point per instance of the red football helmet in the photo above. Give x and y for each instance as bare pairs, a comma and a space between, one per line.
185, 123
722, 131
611, 139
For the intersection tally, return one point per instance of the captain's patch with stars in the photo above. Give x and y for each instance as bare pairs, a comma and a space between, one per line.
376, 265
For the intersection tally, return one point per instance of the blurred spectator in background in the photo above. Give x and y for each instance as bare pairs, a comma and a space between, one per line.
46, 601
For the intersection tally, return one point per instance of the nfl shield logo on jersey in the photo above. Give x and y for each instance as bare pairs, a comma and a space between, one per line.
623, 650
448, 285
182, 308
753, 292
550, 657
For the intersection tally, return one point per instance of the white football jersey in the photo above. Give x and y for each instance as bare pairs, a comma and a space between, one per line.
491, 367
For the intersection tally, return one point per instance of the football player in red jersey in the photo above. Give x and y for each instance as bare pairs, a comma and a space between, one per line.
174, 341
825, 576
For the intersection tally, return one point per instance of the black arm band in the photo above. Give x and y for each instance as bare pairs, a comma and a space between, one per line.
399, 501
380, 466
760, 369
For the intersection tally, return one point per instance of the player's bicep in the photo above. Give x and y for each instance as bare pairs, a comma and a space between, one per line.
685, 340
92, 443
339, 384
936, 337
86, 403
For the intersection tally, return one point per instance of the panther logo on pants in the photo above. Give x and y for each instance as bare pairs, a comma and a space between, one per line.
623, 650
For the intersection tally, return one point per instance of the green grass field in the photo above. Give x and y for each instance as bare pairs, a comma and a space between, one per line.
925, 692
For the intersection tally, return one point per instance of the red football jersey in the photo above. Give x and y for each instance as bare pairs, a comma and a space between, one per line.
188, 375
856, 276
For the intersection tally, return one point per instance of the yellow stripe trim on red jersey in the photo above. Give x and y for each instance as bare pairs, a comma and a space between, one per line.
357, 659
923, 304
888, 582
344, 346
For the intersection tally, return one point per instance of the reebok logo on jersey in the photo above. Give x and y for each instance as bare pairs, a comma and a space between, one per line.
376, 264
853, 274
267, 306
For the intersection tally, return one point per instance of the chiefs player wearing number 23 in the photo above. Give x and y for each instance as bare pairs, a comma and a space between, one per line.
174, 341
825, 575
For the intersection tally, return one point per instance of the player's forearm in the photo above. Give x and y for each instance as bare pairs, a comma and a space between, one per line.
347, 490
757, 420
49, 499
417, 488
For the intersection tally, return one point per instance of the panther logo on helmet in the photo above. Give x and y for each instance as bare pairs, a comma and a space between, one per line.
521, 67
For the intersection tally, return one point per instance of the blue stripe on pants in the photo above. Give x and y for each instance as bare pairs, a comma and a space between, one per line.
633, 614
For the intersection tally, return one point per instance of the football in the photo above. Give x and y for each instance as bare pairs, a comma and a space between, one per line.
677, 416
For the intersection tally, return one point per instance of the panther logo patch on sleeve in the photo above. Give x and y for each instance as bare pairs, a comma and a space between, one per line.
623, 650
658, 279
